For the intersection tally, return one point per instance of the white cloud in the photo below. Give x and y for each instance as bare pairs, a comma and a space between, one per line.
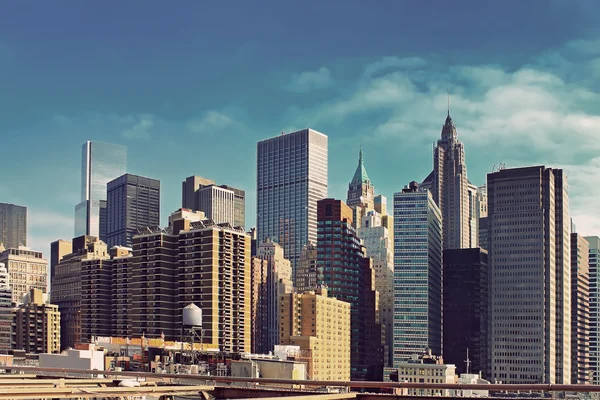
310, 80
45, 226
387, 63
538, 114
210, 122
140, 129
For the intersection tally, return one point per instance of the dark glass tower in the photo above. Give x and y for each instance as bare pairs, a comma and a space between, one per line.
133, 202
348, 275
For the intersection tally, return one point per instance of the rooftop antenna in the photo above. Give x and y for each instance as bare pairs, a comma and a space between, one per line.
282, 133
467, 361
448, 100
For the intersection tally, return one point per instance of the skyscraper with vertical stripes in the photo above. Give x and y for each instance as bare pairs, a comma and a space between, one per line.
291, 176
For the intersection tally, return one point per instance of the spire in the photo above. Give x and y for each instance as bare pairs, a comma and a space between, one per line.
448, 101
360, 176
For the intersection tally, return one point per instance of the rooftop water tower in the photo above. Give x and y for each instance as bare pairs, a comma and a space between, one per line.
191, 329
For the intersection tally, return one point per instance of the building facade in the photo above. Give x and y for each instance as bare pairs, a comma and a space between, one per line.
100, 163
98, 283
594, 287
36, 325
465, 310
417, 274
66, 286
580, 310
279, 282
307, 273
379, 247
223, 203
132, 202
258, 304
58, 249
349, 276
6, 310
13, 225
320, 325
27, 269
291, 178
217, 203
529, 256
424, 368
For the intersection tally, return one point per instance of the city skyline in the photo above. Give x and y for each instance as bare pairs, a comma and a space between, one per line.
512, 103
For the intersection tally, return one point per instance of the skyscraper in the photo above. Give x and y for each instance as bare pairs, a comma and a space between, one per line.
100, 163
379, 246
465, 309
529, 256
133, 202
449, 187
594, 264
417, 274
222, 203
348, 275
580, 309
291, 178
361, 192
13, 225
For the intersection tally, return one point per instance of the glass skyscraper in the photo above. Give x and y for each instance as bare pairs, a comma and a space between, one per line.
291, 178
133, 202
594, 286
100, 163
417, 274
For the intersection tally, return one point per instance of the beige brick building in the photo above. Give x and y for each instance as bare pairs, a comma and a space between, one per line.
36, 325
320, 325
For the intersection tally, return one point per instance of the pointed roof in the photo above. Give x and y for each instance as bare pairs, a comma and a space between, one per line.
360, 176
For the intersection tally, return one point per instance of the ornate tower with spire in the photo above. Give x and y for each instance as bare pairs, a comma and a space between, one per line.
449, 187
361, 193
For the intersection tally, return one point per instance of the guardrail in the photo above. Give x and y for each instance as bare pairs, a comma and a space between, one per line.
349, 384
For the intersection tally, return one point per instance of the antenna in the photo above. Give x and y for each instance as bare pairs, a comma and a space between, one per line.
282, 133
467, 361
448, 100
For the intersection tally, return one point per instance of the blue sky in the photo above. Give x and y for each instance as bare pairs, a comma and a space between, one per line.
191, 86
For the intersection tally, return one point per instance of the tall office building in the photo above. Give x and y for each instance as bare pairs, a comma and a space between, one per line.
279, 282
379, 246
417, 274
100, 163
529, 256
361, 192
465, 310
58, 249
594, 286
132, 202
291, 178
349, 276
477, 210
580, 309
221, 203
449, 187
320, 326
27, 269
13, 225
